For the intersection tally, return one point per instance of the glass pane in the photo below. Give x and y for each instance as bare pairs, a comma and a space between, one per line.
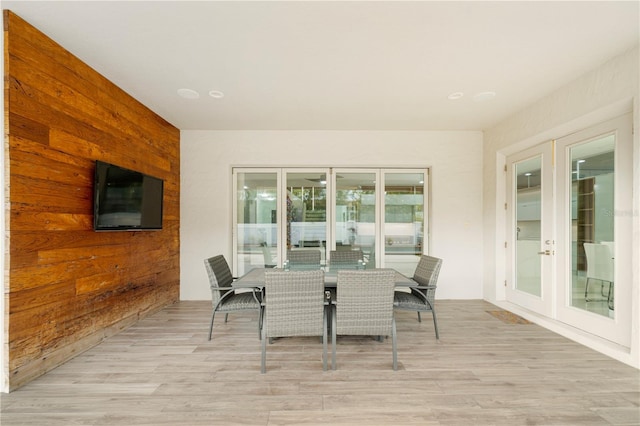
257, 218
356, 215
528, 221
404, 220
592, 224
307, 212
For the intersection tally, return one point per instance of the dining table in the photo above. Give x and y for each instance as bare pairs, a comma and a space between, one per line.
255, 278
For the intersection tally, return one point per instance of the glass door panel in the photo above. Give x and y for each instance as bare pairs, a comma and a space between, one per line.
528, 213
306, 214
355, 214
404, 218
530, 229
592, 224
256, 213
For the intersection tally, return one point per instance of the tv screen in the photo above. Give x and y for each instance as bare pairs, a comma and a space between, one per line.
125, 199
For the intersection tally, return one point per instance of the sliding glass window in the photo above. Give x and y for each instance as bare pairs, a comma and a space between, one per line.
256, 217
306, 211
280, 210
355, 213
404, 219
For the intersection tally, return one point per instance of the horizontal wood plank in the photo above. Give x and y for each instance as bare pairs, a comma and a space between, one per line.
68, 286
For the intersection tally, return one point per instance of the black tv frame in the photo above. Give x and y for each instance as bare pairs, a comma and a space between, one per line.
142, 211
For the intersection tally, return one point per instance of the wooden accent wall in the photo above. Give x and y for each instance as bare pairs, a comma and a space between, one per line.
66, 286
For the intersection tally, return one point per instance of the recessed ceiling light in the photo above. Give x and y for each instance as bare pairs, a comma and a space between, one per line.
216, 94
455, 95
484, 96
188, 94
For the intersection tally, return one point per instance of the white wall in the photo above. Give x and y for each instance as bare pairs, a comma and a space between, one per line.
455, 160
604, 93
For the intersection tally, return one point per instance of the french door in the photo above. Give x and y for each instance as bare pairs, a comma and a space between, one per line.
595, 209
568, 198
531, 245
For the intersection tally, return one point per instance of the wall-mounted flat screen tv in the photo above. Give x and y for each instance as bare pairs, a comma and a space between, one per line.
125, 199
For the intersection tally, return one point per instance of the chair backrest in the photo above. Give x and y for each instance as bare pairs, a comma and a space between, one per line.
304, 259
611, 246
219, 276
309, 243
268, 257
364, 302
346, 259
599, 261
427, 270
371, 260
294, 303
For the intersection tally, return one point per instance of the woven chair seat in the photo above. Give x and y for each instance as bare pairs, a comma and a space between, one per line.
239, 302
409, 301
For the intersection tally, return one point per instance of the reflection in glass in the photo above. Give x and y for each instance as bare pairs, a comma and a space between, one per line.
529, 226
307, 211
592, 225
355, 214
403, 220
257, 211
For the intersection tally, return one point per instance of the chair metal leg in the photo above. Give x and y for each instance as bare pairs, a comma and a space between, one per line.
394, 344
586, 289
602, 289
324, 341
419, 318
333, 339
213, 314
435, 324
260, 311
226, 317
263, 361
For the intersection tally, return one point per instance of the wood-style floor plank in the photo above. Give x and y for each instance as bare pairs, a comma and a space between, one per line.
483, 371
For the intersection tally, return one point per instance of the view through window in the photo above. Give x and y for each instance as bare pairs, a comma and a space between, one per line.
282, 210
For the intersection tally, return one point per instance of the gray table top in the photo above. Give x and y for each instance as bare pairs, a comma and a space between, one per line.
255, 278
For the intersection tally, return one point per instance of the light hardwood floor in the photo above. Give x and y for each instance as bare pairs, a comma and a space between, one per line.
483, 371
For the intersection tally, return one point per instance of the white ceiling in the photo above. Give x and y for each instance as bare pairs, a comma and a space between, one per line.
332, 65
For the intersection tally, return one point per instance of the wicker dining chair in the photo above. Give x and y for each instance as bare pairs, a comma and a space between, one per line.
224, 297
303, 260
346, 259
364, 307
294, 305
422, 297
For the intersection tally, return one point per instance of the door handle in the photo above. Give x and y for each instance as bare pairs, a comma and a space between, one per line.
546, 252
